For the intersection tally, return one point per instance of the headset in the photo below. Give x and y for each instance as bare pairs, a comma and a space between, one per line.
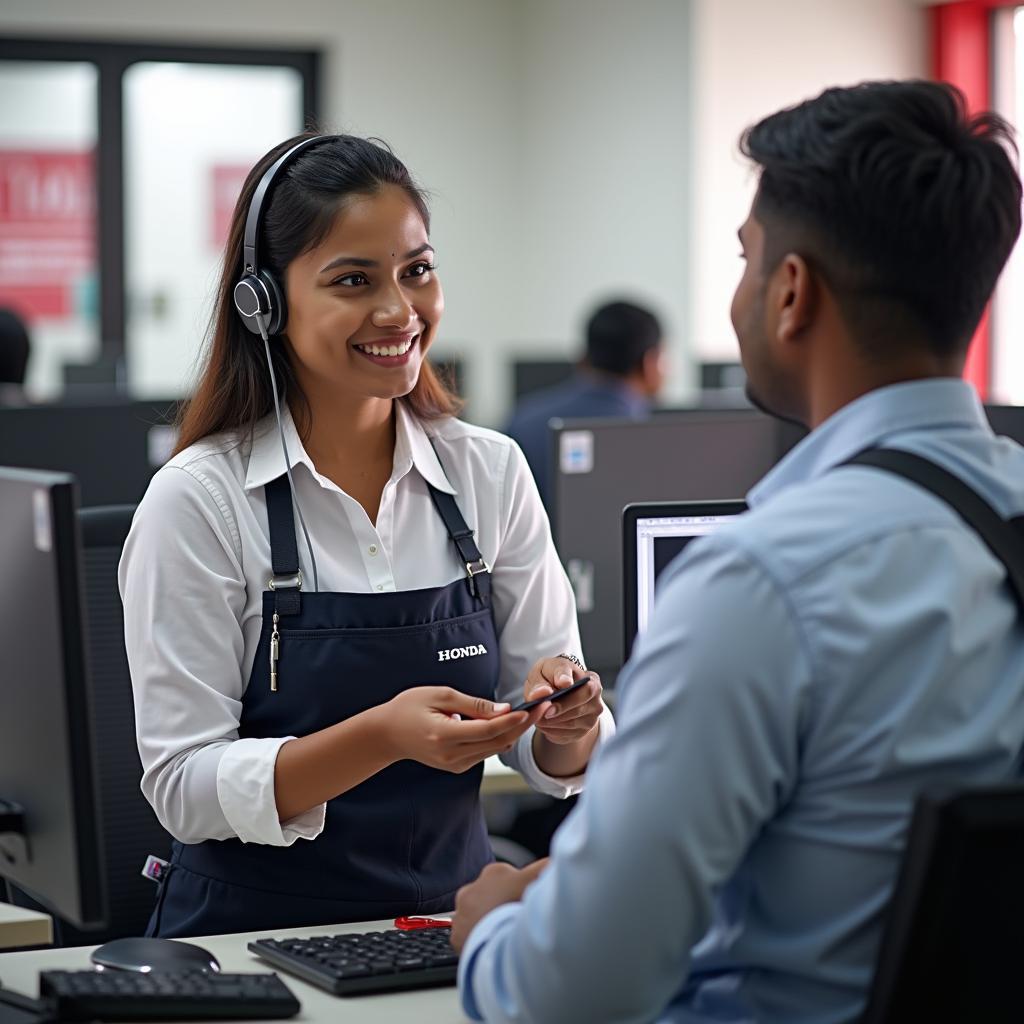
259, 300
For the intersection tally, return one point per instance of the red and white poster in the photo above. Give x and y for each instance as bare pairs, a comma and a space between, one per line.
47, 229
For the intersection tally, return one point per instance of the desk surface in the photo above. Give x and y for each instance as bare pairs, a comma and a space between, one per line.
20, 972
22, 927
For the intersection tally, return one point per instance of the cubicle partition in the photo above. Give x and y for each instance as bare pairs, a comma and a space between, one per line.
112, 448
600, 466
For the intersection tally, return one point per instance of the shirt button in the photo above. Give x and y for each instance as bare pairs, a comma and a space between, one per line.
373, 549
380, 586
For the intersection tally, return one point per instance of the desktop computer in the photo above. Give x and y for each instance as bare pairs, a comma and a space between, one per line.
601, 466
50, 843
1007, 420
529, 375
112, 448
654, 534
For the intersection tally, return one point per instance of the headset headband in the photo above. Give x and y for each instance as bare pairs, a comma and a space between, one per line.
250, 261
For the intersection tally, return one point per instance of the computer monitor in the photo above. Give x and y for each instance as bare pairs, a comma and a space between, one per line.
529, 375
112, 448
1007, 420
653, 534
50, 845
601, 466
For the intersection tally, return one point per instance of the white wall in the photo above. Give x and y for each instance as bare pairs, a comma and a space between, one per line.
606, 158
1008, 306
753, 58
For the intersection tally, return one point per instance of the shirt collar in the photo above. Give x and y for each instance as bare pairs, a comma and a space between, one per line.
266, 460
413, 446
868, 422
412, 449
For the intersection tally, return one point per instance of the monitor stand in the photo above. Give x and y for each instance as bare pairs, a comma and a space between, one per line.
14, 850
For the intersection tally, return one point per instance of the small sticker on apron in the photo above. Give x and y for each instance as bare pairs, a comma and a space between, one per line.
154, 869
576, 451
41, 519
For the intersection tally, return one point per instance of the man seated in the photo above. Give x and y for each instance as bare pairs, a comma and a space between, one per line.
810, 668
621, 374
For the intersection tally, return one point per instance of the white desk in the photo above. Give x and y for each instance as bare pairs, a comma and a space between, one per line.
20, 972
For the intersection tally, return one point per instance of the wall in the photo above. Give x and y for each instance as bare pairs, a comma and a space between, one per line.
606, 161
754, 58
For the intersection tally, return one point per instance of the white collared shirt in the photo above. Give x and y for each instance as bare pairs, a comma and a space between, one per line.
196, 563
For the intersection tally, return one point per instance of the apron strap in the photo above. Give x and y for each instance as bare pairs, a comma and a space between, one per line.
478, 572
286, 583
284, 551
1004, 538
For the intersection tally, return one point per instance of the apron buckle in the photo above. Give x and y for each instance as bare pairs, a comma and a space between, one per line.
474, 569
293, 581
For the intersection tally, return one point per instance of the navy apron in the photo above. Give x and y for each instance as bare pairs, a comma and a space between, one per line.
406, 839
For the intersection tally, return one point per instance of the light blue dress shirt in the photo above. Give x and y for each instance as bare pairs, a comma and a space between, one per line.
808, 669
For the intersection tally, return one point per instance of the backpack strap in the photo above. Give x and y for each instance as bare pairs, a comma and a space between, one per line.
1004, 538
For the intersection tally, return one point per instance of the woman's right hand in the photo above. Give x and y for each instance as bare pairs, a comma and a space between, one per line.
445, 729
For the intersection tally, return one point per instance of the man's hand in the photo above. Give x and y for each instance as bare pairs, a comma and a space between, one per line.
497, 884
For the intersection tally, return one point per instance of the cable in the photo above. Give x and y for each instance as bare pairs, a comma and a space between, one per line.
284, 448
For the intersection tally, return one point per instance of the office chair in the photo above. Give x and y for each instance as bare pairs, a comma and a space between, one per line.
953, 946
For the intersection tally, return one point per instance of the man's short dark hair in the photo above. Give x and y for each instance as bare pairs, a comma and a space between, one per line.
619, 335
14, 348
907, 205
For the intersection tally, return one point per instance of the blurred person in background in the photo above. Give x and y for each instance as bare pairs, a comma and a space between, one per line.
621, 374
15, 349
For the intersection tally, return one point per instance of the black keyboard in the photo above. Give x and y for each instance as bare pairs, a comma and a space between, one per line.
357, 964
165, 995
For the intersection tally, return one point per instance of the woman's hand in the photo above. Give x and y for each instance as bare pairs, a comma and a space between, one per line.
571, 719
445, 729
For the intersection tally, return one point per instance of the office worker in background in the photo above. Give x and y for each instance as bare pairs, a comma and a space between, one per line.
811, 667
15, 349
282, 616
621, 374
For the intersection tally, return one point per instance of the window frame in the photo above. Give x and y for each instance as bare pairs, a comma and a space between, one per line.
112, 60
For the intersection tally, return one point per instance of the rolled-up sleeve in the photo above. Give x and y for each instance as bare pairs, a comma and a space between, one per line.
706, 750
183, 592
534, 611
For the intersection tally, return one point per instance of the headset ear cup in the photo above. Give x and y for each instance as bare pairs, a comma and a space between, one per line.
278, 306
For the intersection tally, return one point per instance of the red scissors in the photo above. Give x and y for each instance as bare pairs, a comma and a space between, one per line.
411, 924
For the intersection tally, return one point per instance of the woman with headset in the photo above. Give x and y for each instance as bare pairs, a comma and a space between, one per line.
335, 590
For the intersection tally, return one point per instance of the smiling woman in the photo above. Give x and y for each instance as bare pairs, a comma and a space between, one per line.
327, 705
338, 175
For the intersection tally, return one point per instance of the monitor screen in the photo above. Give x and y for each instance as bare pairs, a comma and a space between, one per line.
654, 535
51, 846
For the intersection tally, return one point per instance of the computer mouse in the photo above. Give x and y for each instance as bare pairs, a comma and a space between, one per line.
148, 955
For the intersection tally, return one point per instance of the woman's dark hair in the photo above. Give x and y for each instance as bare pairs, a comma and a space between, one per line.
619, 335
906, 204
233, 390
